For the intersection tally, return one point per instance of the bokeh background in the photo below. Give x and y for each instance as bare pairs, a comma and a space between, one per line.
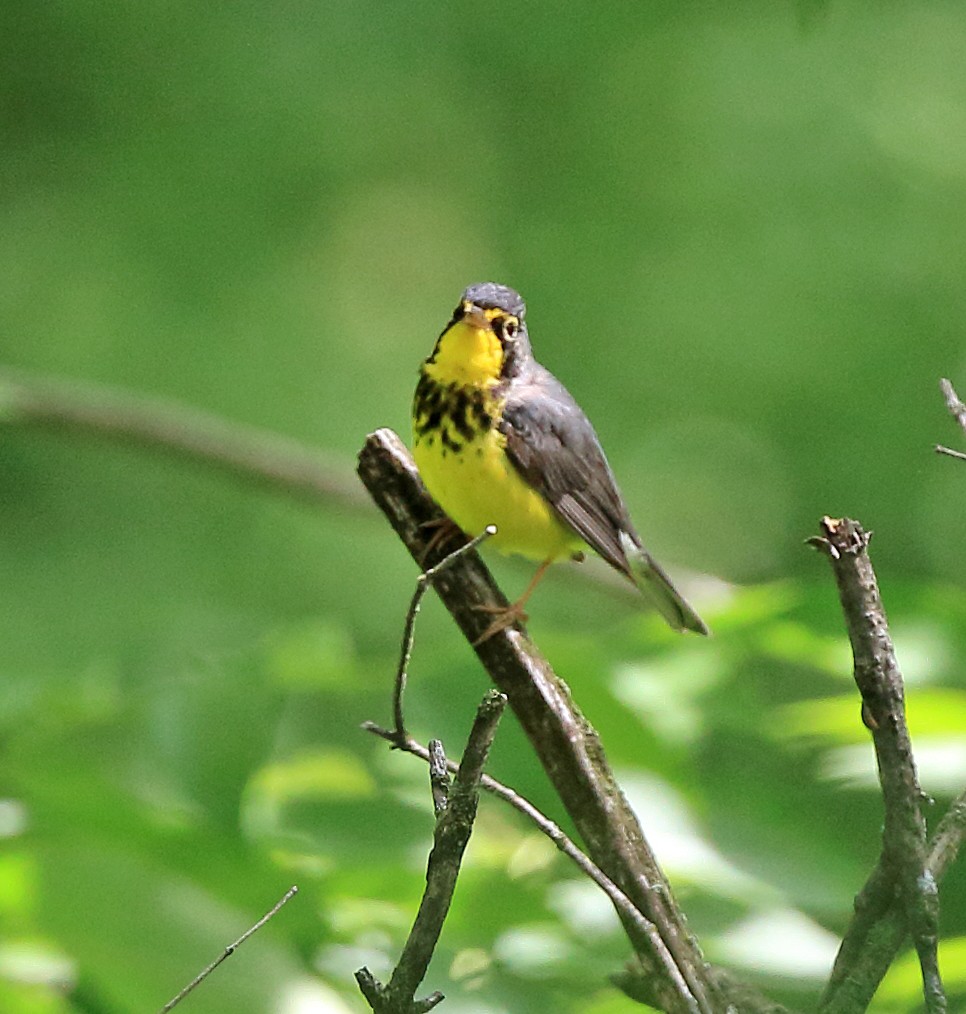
740, 232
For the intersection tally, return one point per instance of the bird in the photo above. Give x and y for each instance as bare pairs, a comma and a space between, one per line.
498, 440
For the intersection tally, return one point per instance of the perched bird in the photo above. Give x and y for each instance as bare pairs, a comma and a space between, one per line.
499, 440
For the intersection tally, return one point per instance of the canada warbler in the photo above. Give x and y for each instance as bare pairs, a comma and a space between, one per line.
499, 440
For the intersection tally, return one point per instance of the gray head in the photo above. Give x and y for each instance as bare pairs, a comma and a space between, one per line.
501, 309
492, 296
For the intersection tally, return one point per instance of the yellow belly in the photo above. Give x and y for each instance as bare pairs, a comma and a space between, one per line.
478, 486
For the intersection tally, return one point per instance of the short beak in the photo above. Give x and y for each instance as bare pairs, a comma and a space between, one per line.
475, 317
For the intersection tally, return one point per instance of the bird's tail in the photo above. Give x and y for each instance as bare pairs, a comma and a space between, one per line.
657, 587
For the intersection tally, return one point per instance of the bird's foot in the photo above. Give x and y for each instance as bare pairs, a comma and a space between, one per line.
443, 529
503, 617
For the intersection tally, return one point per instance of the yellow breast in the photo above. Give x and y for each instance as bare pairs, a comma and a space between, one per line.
462, 459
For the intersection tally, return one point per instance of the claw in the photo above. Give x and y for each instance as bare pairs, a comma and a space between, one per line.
503, 617
443, 528
507, 616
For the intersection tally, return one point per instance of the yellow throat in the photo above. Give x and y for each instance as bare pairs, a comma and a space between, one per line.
467, 354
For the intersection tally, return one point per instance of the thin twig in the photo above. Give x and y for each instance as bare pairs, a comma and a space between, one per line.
902, 865
229, 950
949, 452
423, 583
454, 825
945, 844
568, 747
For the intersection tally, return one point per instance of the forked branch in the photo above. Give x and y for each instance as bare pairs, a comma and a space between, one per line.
455, 807
643, 934
567, 746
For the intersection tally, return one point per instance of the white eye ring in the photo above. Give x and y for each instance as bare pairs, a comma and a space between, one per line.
509, 329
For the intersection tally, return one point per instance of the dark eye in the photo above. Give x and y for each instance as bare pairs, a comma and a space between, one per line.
509, 328
459, 313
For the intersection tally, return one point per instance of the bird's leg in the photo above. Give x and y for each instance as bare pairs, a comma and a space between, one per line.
506, 616
443, 528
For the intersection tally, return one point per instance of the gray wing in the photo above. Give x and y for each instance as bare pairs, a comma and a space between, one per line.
554, 447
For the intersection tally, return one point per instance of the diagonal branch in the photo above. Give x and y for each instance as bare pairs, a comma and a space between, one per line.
642, 933
566, 744
902, 870
243, 451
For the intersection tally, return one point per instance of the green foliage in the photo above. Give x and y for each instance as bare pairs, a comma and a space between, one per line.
740, 235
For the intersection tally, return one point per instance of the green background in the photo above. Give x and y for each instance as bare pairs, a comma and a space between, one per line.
740, 235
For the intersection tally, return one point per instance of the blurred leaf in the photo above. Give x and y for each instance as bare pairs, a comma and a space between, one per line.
316, 655
931, 713
324, 774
